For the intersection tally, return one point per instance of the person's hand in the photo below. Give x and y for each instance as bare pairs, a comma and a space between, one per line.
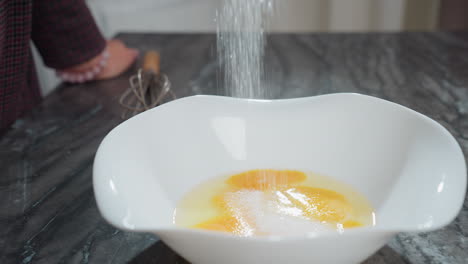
117, 59
120, 59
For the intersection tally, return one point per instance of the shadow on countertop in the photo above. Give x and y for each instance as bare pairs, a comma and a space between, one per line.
160, 253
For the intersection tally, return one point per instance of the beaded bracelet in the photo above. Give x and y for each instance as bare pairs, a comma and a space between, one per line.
87, 75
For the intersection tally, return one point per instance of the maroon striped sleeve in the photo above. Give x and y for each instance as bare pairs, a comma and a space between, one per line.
65, 33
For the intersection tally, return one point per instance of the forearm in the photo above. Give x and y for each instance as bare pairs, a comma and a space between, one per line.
65, 33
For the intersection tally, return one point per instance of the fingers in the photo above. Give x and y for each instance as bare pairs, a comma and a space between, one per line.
120, 59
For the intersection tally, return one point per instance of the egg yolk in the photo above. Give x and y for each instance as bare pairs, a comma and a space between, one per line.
320, 204
225, 223
284, 193
266, 179
351, 224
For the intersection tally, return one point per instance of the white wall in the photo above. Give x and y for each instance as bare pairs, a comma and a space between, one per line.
153, 15
196, 15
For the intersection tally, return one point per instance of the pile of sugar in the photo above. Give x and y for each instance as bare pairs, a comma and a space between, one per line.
259, 214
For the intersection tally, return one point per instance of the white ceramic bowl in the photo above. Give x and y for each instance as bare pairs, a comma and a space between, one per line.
409, 167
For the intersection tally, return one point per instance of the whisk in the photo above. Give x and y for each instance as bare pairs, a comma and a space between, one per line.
148, 88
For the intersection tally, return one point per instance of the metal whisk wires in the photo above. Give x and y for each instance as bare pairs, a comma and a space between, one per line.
148, 88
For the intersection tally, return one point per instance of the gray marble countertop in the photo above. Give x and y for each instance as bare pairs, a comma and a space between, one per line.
47, 209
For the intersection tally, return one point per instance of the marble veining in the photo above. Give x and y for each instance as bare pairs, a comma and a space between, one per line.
47, 209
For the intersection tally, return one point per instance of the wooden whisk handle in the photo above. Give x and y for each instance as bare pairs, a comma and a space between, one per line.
151, 62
